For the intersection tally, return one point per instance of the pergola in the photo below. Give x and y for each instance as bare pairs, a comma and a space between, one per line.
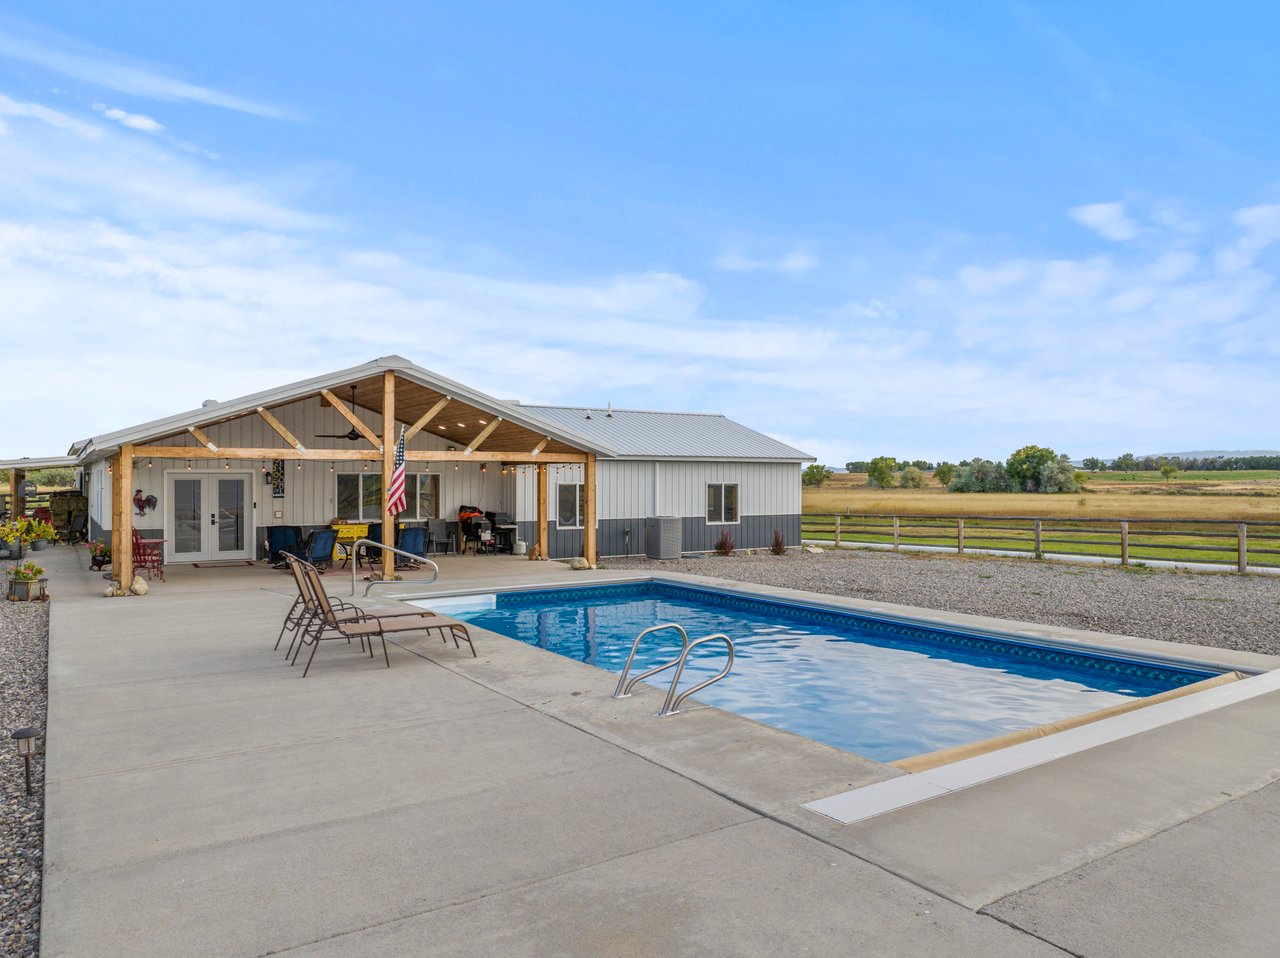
18, 469
396, 391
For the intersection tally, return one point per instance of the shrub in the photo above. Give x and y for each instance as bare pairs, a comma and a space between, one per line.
912, 478
815, 475
880, 472
724, 545
944, 473
1057, 476
779, 546
1026, 465
980, 475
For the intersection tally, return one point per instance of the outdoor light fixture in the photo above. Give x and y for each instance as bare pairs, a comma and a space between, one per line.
28, 742
484, 467
331, 467
299, 465
148, 463
226, 464
188, 465
108, 469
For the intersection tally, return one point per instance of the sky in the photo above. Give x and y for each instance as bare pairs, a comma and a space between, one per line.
929, 230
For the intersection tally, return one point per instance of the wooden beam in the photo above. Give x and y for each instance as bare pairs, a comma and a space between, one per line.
589, 507
388, 465
278, 426
543, 544
17, 501
202, 438
425, 418
434, 455
316, 455
487, 431
356, 423
540, 446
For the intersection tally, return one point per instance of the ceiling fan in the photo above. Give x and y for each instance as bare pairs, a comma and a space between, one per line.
353, 434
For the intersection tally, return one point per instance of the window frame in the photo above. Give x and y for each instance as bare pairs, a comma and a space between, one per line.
581, 504
737, 504
360, 478
433, 481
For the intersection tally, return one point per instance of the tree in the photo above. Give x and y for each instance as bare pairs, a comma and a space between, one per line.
1025, 465
1168, 470
1058, 476
944, 473
880, 472
858, 465
924, 465
815, 475
1126, 463
912, 478
980, 475
1094, 464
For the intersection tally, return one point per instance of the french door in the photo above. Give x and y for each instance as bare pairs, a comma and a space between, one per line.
209, 516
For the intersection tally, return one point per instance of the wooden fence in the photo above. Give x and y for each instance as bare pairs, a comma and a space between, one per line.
1129, 541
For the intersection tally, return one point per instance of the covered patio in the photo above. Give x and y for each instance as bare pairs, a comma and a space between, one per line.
339, 433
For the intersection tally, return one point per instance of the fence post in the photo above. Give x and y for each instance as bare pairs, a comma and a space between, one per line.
1242, 547
1124, 543
959, 536
1039, 541
837, 532
895, 533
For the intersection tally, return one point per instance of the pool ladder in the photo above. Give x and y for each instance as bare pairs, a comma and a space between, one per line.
672, 704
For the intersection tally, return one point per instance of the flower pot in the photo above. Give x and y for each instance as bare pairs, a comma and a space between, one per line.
99, 562
23, 591
37, 545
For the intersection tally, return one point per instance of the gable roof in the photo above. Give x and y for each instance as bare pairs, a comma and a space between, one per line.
642, 434
107, 443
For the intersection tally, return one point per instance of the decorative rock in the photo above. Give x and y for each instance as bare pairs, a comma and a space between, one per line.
814, 550
110, 592
140, 586
578, 563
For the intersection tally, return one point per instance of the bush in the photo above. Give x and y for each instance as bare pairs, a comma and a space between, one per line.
944, 473
980, 475
1026, 465
1057, 476
912, 478
724, 545
815, 475
779, 546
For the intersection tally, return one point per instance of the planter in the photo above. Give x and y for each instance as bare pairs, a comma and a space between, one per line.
14, 550
97, 563
23, 591
37, 545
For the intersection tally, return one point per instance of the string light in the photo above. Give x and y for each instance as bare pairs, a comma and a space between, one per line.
331, 467
299, 465
148, 463
188, 465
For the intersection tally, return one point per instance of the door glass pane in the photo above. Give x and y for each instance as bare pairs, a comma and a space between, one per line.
567, 504
349, 496
410, 497
428, 496
730, 502
371, 497
186, 516
231, 515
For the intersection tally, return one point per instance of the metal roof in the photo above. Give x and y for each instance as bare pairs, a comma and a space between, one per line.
99, 446
42, 462
640, 434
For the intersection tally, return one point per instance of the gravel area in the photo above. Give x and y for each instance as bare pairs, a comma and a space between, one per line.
24, 642
1223, 610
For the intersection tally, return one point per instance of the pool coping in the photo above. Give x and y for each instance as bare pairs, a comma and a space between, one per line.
847, 802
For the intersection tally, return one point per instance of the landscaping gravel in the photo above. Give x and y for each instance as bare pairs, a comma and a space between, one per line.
1223, 610
24, 638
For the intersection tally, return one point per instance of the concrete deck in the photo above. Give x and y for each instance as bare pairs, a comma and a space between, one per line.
204, 799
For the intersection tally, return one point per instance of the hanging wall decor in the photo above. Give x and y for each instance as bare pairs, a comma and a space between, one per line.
277, 478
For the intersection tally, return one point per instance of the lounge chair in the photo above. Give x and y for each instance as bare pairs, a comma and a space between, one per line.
351, 623
305, 608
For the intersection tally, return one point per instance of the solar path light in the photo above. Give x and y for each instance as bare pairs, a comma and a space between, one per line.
28, 742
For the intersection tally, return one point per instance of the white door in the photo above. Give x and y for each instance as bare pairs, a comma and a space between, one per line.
209, 516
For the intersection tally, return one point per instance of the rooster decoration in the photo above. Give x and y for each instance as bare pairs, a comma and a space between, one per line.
142, 504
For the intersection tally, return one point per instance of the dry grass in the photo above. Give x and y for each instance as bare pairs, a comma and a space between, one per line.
1254, 500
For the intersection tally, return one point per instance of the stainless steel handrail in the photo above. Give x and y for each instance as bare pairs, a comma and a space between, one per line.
672, 705
624, 687
435, 569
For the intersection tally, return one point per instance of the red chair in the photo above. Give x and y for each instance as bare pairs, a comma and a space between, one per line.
148, 555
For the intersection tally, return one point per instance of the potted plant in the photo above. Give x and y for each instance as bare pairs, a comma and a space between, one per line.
25, 582
39, 533
99, 554
11, 537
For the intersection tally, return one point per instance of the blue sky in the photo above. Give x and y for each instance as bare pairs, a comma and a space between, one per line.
929, 230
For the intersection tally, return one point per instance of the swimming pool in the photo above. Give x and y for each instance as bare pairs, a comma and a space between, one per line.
882, 688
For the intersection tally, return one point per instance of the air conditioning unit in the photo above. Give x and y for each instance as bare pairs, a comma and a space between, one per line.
663, 537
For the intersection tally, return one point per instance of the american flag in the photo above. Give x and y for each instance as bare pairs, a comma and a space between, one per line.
396, 502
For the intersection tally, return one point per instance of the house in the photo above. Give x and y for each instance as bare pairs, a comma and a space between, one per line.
576, 481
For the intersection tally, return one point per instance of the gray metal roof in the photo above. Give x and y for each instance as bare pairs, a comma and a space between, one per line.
639, 434
42, 462
99, 446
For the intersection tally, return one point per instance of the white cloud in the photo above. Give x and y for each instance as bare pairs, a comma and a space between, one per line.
1108, 220
134, 121
102, 68
797, 261
54, 118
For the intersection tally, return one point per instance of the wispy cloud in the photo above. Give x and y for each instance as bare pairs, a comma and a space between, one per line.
104, 69
134, 121
1108, 220
797, 261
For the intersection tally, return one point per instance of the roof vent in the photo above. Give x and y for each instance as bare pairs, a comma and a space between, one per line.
208, 402
610, 412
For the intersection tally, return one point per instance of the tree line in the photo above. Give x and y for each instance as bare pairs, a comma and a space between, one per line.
1030, 469
1131, 463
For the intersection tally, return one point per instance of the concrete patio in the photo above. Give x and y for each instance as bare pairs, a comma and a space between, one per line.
204, 799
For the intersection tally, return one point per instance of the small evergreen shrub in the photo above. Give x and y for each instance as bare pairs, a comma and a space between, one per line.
725, 545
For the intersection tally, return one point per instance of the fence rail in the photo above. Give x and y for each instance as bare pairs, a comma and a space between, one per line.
1203, 541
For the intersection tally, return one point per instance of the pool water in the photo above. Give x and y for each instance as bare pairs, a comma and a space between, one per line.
884, 689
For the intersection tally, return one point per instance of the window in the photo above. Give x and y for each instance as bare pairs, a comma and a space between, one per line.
424, 496
571, 504
722, 502
360, 496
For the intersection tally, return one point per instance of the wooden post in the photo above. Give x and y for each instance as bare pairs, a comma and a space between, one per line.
1124, 543
124, 477
1242, 547
1039, 541
589, 507
837, 532
388, 465
17, 501
896, 537
960, 536
543, 544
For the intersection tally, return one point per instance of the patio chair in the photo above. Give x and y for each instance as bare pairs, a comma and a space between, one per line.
413, 539
280, 539
317, 550
77, 530
330, 624
148, 556
439, 539
304, 607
